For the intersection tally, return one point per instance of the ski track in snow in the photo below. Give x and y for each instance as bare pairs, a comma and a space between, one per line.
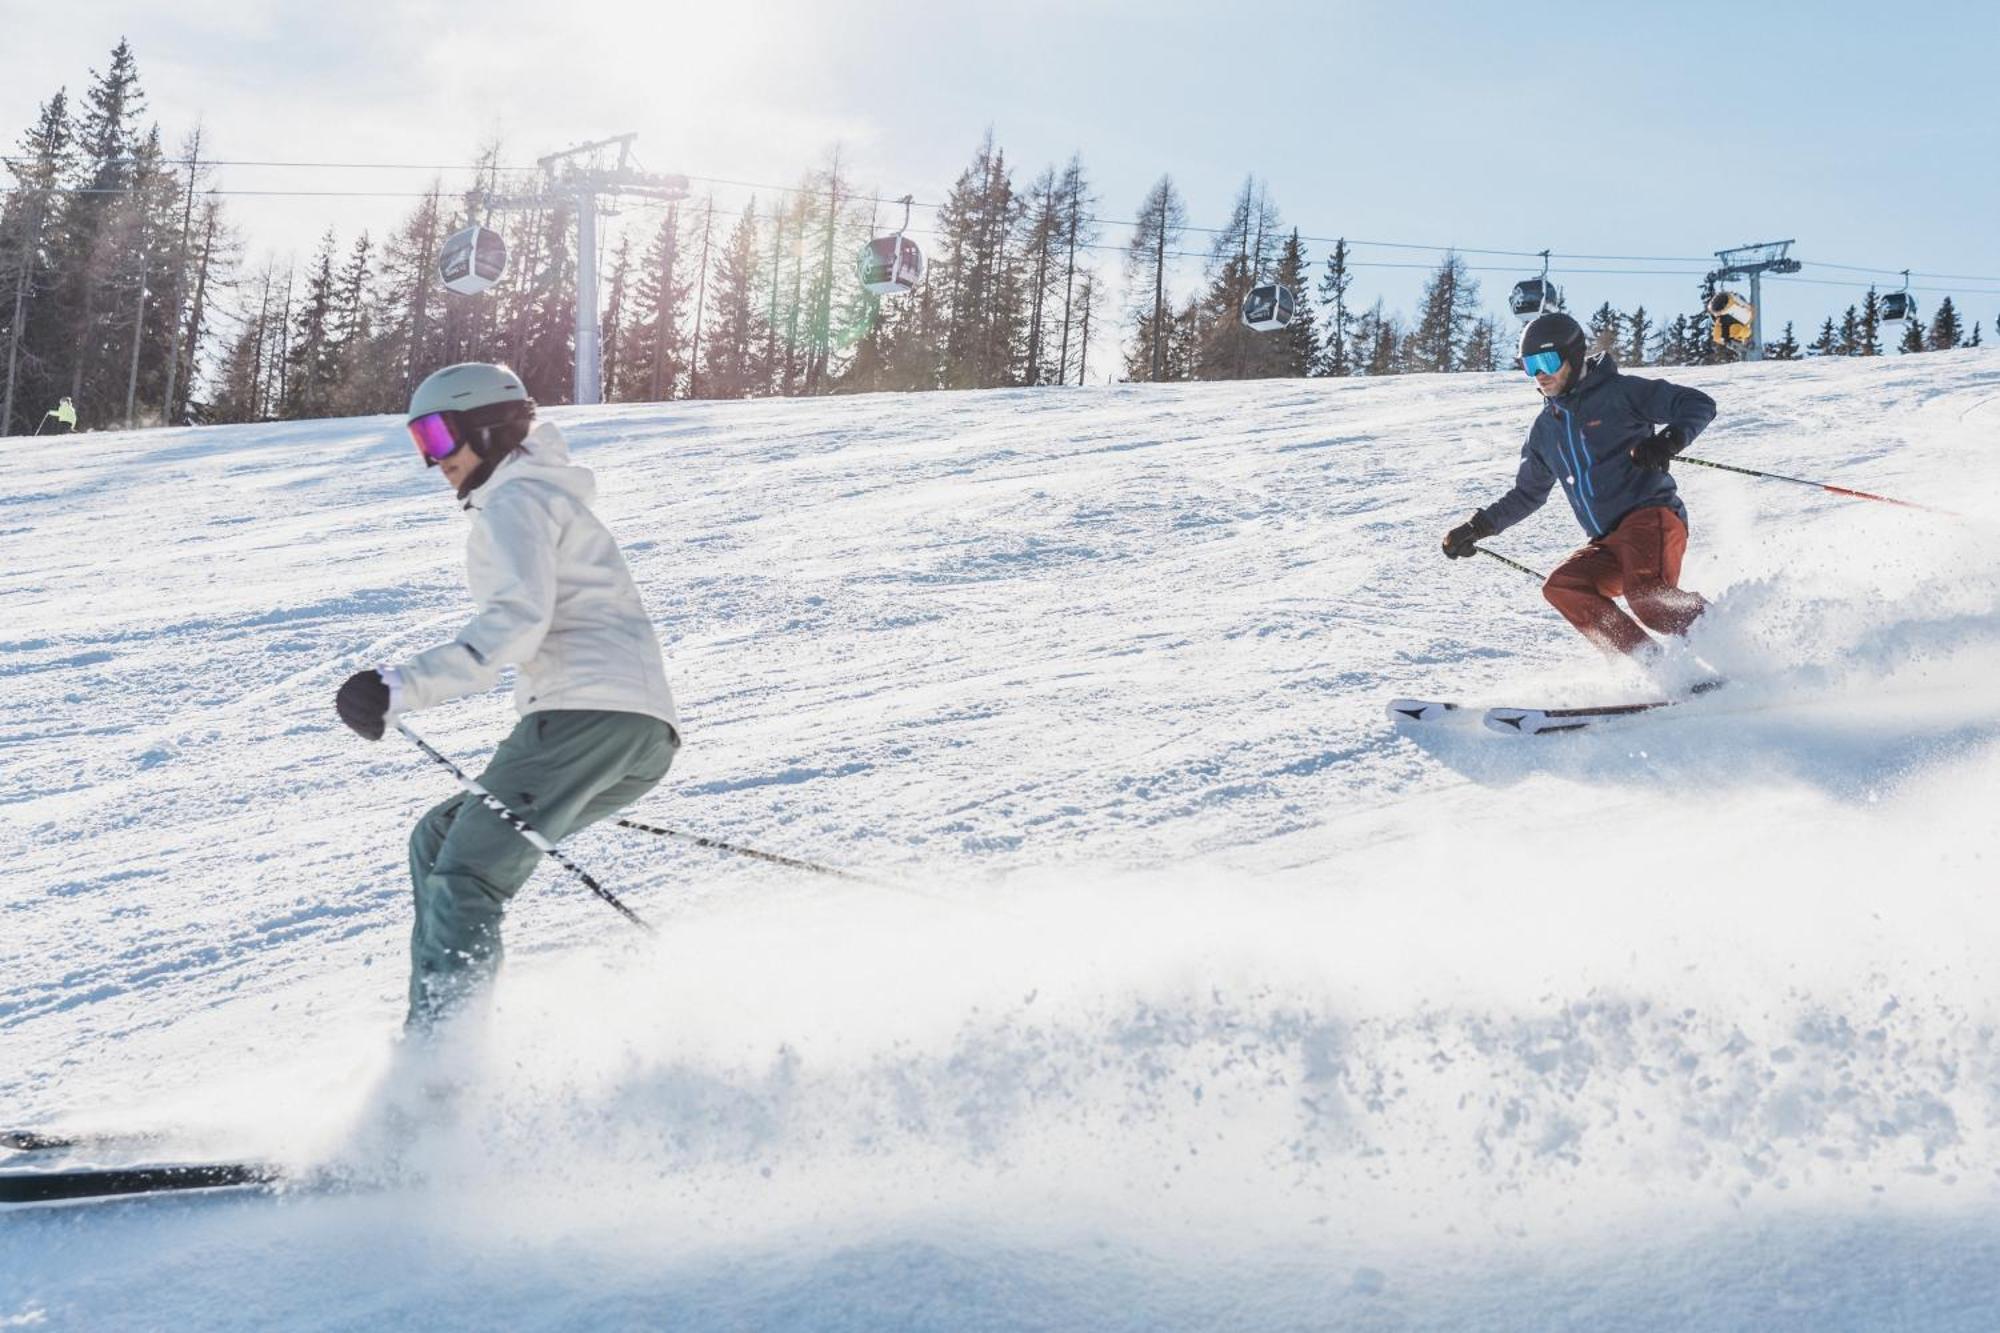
1231, 1004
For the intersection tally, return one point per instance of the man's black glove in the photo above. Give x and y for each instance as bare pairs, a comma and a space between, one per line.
1461, 542
1659, 449
363, 703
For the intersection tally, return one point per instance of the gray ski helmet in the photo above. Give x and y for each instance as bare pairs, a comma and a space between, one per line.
1555, 330
468, 385
483, 407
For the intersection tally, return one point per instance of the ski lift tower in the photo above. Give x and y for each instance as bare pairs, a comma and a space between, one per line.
1753, 262
583, 174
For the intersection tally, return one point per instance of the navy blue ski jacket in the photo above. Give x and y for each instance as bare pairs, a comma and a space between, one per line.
1582, 437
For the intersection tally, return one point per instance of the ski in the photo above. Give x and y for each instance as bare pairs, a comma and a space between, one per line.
1421, 710
30, 1140
1545, 721
124, 1182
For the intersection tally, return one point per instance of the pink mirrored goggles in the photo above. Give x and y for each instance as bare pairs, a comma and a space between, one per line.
436, 437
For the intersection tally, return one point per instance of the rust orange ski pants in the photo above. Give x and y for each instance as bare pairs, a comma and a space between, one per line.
1640, 559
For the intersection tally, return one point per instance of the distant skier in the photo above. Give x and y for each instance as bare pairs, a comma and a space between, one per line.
1597, 436
554, 598
64, 413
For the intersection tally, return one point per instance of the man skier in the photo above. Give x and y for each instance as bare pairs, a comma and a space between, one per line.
554, 597
1596, 435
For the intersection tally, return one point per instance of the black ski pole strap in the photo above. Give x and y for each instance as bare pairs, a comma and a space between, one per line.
716, 844
1514, 564
526, 830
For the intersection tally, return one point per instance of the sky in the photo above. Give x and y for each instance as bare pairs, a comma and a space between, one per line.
1868, 132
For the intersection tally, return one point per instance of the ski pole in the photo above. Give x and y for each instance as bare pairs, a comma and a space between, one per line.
1514, 564
522, 827
1822, 485
717, 844
888, 886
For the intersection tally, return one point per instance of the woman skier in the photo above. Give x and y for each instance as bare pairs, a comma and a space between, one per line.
554, 598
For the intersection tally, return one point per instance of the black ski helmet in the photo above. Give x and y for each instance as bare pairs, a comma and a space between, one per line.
1555, 330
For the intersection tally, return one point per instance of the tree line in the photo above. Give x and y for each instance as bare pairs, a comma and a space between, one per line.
125, 287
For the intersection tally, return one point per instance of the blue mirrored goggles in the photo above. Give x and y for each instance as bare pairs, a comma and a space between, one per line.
1542, 363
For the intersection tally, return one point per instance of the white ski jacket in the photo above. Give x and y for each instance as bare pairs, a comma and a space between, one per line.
554, 599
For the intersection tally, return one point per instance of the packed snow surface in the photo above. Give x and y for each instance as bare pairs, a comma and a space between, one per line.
1196, 993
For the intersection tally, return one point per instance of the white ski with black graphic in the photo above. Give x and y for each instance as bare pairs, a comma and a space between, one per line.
1549, 721
1422, 710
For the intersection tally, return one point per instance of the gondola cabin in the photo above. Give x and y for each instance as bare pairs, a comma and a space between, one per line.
1269, 306
472, 260
1532, 296
891, 265
1898, 307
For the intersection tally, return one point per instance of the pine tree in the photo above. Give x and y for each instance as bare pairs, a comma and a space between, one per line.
1449, 300
834, 234
1669, 342
1042, 228
1604, 325
1973, 341
654, 347
241, 390
28, 249
1945, 332
1184, 340
1298, 342
1079, 233
214, 259
420, 330
141, 234
696, 389
1162, 220
1338, 360
615, 312
1482, 346
1870, 343
310, 369
1377, 340
1241, 255
181, 347
1913, 335
1827, 344
1850, 334
90, 260
1640, 329
730, 368
351, 348
1086, 306
546, 361
1786, 348
984, 305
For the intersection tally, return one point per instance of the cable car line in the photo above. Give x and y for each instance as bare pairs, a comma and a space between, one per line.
1352, 242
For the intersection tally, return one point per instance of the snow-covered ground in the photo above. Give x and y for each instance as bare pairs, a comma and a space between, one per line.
1204, 998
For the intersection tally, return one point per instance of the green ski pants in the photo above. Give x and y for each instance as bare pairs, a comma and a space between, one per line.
558, 770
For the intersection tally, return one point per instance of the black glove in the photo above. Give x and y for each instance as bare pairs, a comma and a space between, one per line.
1459, 543
363, 703
1657, 450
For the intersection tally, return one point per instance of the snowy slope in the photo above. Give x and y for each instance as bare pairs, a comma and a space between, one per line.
1208, 998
